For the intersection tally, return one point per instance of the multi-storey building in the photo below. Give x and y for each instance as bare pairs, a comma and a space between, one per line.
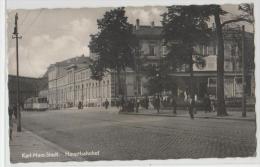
152, 52
70, 81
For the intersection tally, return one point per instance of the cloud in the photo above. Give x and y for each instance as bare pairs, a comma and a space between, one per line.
43, 50
80, 28
62, 36
146, 16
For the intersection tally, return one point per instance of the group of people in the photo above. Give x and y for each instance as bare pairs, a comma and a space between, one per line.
209, 105
157, 102
130, 105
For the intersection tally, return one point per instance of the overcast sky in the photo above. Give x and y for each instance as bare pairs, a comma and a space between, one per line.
51, 35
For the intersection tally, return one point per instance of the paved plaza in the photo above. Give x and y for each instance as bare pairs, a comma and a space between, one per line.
127, 137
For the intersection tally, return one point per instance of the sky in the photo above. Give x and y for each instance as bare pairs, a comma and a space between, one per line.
55, 34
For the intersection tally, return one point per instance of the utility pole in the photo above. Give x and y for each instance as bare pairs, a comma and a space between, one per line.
244, 74
17, 37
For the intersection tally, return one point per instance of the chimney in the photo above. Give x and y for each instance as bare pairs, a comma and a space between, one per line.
137, 26
152, 24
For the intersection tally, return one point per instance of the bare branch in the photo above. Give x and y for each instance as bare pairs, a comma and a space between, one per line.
235, 20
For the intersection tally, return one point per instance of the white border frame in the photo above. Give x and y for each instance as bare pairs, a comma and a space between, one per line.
29, 4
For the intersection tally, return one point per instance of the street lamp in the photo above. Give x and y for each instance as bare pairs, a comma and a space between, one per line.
158, 101
18, 102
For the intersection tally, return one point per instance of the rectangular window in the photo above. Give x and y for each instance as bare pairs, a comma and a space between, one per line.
152, 50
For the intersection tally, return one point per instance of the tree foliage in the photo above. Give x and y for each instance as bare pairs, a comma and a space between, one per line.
97, 71
184, 28
114, 44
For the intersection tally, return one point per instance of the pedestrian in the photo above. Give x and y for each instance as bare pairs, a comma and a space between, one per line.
117, 102
195, 102
122, 104
207, 104
174, 105
213, 105
137, 103
157, 103
10, 113
106, 104
191, 107
185, 96
130, 106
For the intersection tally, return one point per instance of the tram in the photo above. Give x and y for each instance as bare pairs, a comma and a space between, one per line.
36, 104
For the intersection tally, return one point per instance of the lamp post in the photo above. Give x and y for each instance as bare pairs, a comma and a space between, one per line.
158, 101
18, 103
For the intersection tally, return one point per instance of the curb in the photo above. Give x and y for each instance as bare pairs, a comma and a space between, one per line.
183, 116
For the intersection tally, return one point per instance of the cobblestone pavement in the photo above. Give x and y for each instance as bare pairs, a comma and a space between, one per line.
128, 137
28, 147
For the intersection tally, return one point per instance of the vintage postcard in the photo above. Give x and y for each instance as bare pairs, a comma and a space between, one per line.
128, 82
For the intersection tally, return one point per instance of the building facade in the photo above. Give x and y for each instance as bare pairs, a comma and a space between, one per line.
70, 82
152, 51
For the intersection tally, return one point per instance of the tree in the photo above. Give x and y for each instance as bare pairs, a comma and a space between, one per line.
221, 108
200, 14
184, 28
217, 11
114, 45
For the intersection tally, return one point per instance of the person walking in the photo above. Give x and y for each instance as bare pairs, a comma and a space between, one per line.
122, 104
174, 105
213, 105
137, 103
207, 104
157, 103
191, 107
106, 104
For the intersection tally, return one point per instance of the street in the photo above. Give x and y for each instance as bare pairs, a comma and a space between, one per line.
128, 137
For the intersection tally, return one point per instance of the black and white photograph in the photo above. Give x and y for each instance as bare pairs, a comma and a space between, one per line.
126, 82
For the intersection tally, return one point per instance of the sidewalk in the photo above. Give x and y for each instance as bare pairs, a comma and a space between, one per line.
91, 109
232, 115
28, 147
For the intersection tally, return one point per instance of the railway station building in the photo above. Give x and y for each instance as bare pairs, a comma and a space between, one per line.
70, 83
